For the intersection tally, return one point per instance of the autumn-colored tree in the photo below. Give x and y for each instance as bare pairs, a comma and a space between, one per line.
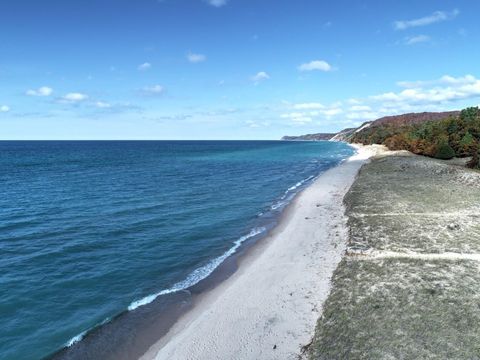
474, 162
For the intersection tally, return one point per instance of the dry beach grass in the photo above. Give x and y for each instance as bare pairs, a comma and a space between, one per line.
409, 287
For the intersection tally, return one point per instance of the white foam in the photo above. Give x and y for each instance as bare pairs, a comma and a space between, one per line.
199, 274
297, 185
277, 205
203, 272
76, 339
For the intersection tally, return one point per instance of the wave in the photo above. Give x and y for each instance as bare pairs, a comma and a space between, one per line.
203, 272
76, 339
198, 274
288, 194
298, 184
80, 336
278, 205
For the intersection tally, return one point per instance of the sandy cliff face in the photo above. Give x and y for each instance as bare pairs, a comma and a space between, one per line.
343, 135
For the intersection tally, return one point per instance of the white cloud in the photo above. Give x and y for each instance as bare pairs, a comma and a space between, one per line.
467, 79
332, 112
320, 65
353, 101
445, 89
42, 91
360, 108
74, 97
145, 66
260, 76
196, 58
364, 115
103, 105
217, 3
153, 90
308, 106
297, 118
308, 112
442, 94
437, 16
4, 108
412, 40
444, 80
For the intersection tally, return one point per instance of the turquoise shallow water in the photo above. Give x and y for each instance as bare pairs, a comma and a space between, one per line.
91, 229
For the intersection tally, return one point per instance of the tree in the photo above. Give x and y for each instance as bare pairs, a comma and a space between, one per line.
397, 142
470, 114
466, 144
444, 151
474, 163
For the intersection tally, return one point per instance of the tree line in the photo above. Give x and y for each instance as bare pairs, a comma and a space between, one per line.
455, 136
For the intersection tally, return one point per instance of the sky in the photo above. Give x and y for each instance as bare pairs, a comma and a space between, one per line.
229, 69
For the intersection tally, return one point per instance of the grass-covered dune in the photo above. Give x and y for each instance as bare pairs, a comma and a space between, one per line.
409, 286
458, 135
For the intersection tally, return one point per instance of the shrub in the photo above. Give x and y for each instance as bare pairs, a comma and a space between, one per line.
444, 151
397, 142
467, 139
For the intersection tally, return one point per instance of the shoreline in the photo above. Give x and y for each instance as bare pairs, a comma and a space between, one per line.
153, 316
231, 320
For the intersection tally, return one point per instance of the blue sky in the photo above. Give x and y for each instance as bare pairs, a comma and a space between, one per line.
229, 69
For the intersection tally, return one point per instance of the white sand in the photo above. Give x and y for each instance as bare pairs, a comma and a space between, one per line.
269, 308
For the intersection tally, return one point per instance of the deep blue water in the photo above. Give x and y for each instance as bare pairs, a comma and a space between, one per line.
89, 229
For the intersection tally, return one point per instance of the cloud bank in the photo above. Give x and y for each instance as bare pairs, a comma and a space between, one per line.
445, 93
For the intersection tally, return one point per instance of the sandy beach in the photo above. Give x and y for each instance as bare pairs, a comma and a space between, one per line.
269, 308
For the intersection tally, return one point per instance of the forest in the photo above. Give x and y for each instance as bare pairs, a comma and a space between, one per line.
455, 136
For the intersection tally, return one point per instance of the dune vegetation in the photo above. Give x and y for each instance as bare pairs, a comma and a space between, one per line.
409, 286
